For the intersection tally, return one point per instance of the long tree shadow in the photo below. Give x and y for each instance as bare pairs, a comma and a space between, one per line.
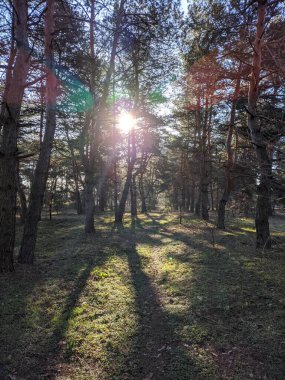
34, 325
230, 313
58, 354
234, 313
158, 352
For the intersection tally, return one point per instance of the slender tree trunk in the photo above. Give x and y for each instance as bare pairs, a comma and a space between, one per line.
131, 162
264, 188
76, 174
79, 208
102, 196
133, 187
52, 194
204, 197
10, 115
27, 250
95, 134
115, 174
122, 205
192, 205
89, 203
92, 138
9, 70
115, 186
142, 195
134, 209
132, 155
188, 198
41, 114
78, 202
22, 198
182, 195
198, 203
230, 158
144, 207
204, 180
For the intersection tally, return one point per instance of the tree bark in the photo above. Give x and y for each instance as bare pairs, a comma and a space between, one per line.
102, 196
192, 205
10, 114
89, 203
142, 194
204, 180
22, 199
131, 162
198, 203
27, 250
134, 209
263, 239
230, 158
122, 204
76, 174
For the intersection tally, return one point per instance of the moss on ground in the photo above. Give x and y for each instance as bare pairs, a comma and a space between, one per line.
159, 300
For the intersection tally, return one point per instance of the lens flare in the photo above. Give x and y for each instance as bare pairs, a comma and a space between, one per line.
126, 121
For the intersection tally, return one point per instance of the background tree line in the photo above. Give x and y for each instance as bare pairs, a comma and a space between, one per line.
204, 89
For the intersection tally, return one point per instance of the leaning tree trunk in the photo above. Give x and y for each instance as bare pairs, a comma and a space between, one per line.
264, 188
122, 204
10, 114
27, 250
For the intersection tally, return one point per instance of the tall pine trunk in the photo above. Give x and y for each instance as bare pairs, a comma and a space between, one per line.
10, 114
131, 162
204, 172
27, 250
264, 187
230, 159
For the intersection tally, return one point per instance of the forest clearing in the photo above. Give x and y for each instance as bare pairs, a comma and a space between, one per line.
161, 300
142, 189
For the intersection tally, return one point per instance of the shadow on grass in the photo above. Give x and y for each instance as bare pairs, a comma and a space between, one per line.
223, 307
38, 301
231, 304
158, 353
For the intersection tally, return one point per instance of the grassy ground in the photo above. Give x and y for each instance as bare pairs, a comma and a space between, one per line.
157, 301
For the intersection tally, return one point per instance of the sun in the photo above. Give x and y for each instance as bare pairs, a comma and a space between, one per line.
126, 121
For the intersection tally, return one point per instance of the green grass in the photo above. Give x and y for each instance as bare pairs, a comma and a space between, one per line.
158, 300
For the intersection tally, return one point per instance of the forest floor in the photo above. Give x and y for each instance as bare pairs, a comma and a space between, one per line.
160, 300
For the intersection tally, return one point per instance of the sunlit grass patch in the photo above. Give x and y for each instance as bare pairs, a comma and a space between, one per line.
93, 306
248, 229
